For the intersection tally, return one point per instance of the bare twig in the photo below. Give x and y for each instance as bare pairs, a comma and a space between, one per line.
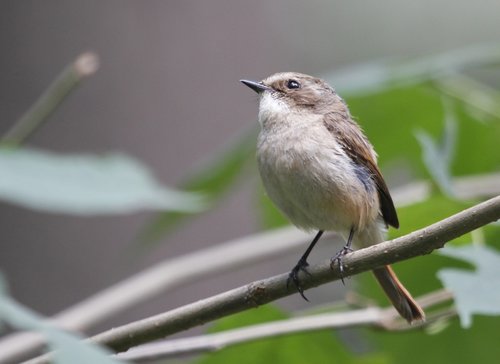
387, 319
420, 242
85, 65
218, 341
465, 188
170, 274
473, 93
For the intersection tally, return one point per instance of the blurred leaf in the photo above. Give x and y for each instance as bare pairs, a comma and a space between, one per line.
69, 348
453, 345
378, 76
310, 347
438, 155
477, 145
475, 292
389, 118
213, 178
84, 184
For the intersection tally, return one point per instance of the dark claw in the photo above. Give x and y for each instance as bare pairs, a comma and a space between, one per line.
294, 277
338, 258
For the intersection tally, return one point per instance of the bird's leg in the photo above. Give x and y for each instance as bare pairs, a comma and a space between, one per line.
301, 266
340, 255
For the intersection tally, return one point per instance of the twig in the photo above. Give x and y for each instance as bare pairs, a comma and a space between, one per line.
214, 342
417, 243
387, 319
465, 188
85, 65
473, 93
170, 274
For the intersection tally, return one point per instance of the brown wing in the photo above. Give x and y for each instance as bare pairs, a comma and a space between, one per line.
359, 149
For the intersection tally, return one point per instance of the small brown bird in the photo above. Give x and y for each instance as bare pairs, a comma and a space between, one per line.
321, 171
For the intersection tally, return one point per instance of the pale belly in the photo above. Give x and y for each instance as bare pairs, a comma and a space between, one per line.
316, 187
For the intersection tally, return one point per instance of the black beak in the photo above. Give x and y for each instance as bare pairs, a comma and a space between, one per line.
256, 86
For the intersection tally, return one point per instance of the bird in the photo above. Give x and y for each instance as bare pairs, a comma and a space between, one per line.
318, 167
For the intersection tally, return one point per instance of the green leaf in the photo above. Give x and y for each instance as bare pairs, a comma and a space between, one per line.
69, 348
477, 145
311, 347
438, 155
84, 184
452, 345
389, 119
475, 292
214, 178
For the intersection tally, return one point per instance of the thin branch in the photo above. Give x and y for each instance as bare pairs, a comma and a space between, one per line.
179, 271
473, 93
387, 319
465, 188
420, 242
218, 341
85, 65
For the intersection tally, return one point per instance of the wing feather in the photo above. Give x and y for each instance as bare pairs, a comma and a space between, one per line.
361, 152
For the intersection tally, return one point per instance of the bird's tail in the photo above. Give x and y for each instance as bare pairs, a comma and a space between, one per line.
399, 296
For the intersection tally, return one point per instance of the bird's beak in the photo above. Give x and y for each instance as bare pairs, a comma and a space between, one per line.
258, 87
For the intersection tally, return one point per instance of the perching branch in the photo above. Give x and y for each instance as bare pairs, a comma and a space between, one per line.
85, 65
386, 319
420, 242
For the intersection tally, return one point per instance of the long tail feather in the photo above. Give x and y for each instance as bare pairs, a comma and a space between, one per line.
399, 296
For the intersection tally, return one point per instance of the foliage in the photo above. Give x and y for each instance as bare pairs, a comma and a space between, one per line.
68, 348
471, 297
85, 184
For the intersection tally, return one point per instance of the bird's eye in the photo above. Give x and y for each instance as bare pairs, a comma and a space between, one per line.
291, 84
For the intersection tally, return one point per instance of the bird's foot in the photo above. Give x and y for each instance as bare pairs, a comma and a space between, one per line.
338, 258
294, 276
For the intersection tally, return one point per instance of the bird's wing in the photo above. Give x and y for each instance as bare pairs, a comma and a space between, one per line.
361, 152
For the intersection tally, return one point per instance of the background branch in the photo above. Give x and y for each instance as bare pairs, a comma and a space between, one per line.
417, 243
85, 65
387, 319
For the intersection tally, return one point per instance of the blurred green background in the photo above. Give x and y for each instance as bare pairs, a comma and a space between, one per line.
421, 78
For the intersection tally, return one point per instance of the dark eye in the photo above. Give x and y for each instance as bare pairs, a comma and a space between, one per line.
292, 84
